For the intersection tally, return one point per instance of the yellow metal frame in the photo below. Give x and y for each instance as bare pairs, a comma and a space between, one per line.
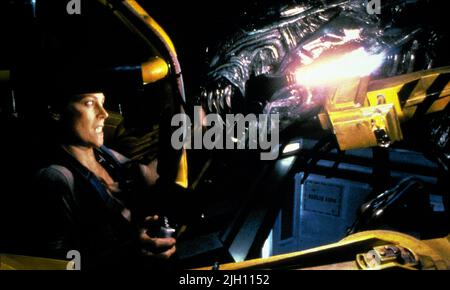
146, 18
156, 68
355, 128
432, 254
182, 176
18, 262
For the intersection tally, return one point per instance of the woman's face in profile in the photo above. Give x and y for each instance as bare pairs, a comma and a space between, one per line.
87, 118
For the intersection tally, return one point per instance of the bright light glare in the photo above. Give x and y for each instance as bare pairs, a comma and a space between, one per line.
357, 63
291, 147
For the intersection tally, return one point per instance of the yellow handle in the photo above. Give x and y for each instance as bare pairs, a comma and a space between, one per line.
154, 70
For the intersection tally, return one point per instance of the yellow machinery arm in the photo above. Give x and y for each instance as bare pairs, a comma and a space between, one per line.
364, 113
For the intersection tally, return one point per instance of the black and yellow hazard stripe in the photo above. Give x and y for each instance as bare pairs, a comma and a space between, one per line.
413, 95
439, 89
405, 92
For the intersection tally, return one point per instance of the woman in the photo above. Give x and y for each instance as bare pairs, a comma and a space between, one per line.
87, 200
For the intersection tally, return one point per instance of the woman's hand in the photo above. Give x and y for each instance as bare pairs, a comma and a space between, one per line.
162, 248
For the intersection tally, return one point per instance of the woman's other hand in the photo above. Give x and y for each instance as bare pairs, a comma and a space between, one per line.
162, 248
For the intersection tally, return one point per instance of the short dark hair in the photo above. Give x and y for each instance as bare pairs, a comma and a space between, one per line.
63, 85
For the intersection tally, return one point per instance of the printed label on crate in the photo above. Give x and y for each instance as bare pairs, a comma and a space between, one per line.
322, 198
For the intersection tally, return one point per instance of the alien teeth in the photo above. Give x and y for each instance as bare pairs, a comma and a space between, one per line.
98, 129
